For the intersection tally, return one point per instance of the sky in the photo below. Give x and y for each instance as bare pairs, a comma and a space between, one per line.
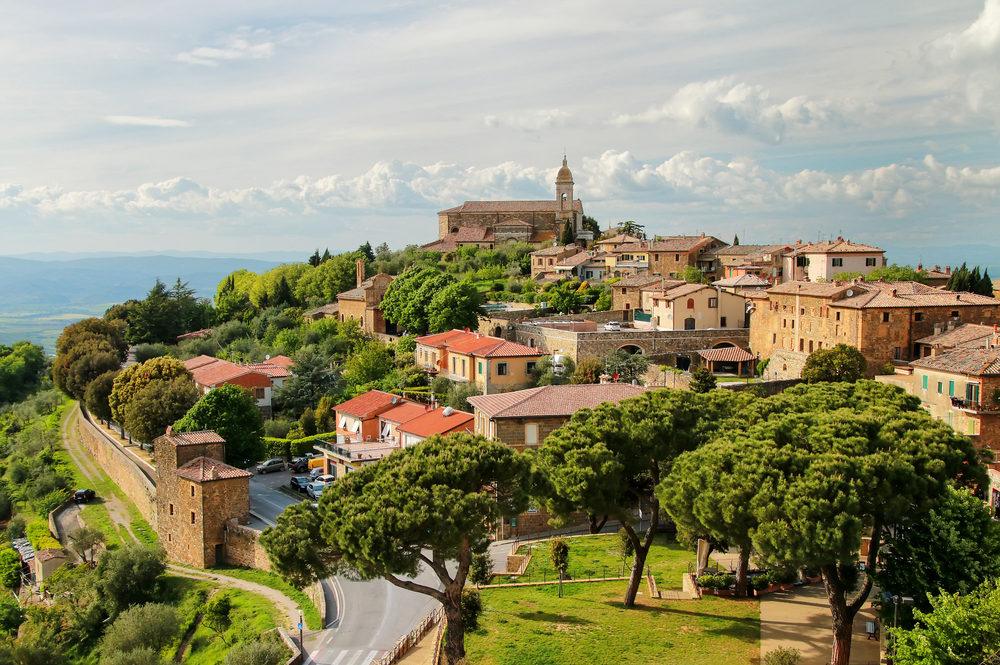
258, 126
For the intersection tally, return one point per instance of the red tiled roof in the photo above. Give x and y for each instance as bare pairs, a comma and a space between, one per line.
195, 334
508, 349
619, 239
199, 361
198, 438
745, 280
838, 246
270, 371
438, 339
971, 362
547, 205
368, 404
557, 250
204, 469
965, 335
436, 422
643, 279
564, 400
221, 371
281, 361
684, 290
729, 354
405, 412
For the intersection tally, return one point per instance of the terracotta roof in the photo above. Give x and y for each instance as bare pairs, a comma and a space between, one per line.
405, 412
643, 279
369, 404
821, 289
195, 334
438, 339
547, 205
971, 362
557, 250
358, 293
205, 469
329, 308
436, 422
680, 243
270, 371
508, 349
964, 335
194, 438
575, 260
619, 239
199, 361
663, 284
445, 244
745, 280
748, 250
911, 294
280, 361
221, 371
729, 354
545, 401
684, 290
477, 344
838, 246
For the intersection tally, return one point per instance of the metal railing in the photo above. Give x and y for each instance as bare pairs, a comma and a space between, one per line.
408, 641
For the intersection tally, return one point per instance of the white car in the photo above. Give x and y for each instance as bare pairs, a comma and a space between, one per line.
613, 326
315, 490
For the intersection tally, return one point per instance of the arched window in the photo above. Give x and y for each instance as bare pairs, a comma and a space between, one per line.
689, 323
690, 303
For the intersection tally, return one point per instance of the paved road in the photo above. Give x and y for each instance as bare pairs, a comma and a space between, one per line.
364, 618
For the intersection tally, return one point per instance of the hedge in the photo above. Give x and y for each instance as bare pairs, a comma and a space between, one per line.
289, 447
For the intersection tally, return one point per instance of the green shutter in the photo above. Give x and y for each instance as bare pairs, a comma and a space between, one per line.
923, 381
951, 388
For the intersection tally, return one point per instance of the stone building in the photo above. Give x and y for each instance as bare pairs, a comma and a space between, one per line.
823, 261
763, 261
196, 495
544, 260
363, 303
537, 222
884, 321
698, 307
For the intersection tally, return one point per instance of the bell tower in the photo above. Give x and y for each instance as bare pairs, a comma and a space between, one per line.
564, 191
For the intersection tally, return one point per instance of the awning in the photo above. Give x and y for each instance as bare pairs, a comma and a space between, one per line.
728, 354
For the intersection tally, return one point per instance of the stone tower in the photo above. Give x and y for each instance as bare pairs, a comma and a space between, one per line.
564, 190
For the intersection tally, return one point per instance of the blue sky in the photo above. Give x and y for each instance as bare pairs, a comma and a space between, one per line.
252, 126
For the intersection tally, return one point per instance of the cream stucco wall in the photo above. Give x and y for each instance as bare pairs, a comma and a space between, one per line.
672, 314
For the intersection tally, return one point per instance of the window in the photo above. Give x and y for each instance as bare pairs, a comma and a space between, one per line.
656, 257
838, 263
722, 322
623, 290
531, 434
501, 369
343, 422
689, 323
837, 318
454, 365
951, 388
192, 517
258, 393
169, 539
940, 387
918, 316
479, 366
690, 303
802, 311
870, 262
552, 261
802, 344
713, 302
972, 392
954, 313
171, 509
530, 367
801, 262
192, 489
885, 317
923, 382
677, 257
810, 346
774, 338
463, 366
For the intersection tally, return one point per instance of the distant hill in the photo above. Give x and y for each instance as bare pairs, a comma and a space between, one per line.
38, 298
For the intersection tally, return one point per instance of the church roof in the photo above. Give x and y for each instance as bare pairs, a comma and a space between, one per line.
548, 205
564, 174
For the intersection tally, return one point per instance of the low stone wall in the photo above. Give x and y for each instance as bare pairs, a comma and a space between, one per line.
243, 547
785, 365
122, 469
315, 593
763, 388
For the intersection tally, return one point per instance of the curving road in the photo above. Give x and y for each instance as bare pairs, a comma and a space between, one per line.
364, 619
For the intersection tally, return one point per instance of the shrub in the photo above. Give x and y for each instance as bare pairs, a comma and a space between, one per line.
144, 352
10, 568
143, 656
480, 568
218, 614
11, 614
15, 528
887, 368
153, 625
559, 552
783, 656
472, 607
257, 653
277, 428
716, 581
761, 581
130, 575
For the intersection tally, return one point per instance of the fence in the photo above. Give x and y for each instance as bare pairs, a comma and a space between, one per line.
405, 643
540, 574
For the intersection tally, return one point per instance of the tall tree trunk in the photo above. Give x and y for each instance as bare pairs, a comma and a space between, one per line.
597, 524
641, 551
742, 587
842, 610
454, 646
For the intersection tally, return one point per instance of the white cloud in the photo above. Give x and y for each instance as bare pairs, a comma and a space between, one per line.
735, 107
530, 121
245, 44
145, 121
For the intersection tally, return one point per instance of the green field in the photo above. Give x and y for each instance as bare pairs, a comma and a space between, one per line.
595, 556
533, 626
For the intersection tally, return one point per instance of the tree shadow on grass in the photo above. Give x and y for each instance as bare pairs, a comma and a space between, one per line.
551, 617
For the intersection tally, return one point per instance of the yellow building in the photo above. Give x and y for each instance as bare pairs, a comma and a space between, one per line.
698, 307
492, 364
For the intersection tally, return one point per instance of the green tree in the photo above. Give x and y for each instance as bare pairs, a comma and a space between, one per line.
606, 461
603, 302
135, 378
559, 555
258, 652
960, 629
21, 367
692, 275
130, 575
140, 656
366, 252
11, 615
111, 331
952, 548
564, 298
897, 273
218, 615
588, 370
457, 305
81, 363
314, 259
152, 626
10, 568
231, 411
322, 284
480, 568
371, 362
313, 376
628, 367
97, 394
839, 363
407, 299
702, 380
84, 543
371, 520
166, 313
548, 373
567, 237
632, 228
159, 404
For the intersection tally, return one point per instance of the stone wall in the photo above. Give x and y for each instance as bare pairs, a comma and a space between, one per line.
663, 346
510, 431
243, 547
785, 365
122, 470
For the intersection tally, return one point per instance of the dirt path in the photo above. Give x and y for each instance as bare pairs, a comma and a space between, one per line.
285, 605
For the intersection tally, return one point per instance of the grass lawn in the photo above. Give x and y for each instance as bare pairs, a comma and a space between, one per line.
310, 613
533, 626
595, 556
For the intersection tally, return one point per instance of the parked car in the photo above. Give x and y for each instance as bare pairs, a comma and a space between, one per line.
299, 464
325, 478
314, 490
299, 483
316, 472
83, 496
269, 465
613, 326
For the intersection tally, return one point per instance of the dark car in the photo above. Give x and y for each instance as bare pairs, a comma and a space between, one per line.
299, 483
269, 465
299, 464
83, 496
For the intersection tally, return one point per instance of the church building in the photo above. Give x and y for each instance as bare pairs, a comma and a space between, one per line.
490, 223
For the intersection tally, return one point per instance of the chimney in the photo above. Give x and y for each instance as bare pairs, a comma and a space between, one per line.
170, 430
359, 269
947, 270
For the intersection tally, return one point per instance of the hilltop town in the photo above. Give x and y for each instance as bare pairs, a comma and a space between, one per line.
529, 416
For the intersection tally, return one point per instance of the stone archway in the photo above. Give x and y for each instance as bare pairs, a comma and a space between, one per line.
683, 363
722, 345
631, 349
498, 331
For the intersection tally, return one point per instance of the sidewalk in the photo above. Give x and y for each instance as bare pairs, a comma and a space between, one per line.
800, 619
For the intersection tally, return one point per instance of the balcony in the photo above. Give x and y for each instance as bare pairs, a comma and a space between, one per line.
972, 406
358, 452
